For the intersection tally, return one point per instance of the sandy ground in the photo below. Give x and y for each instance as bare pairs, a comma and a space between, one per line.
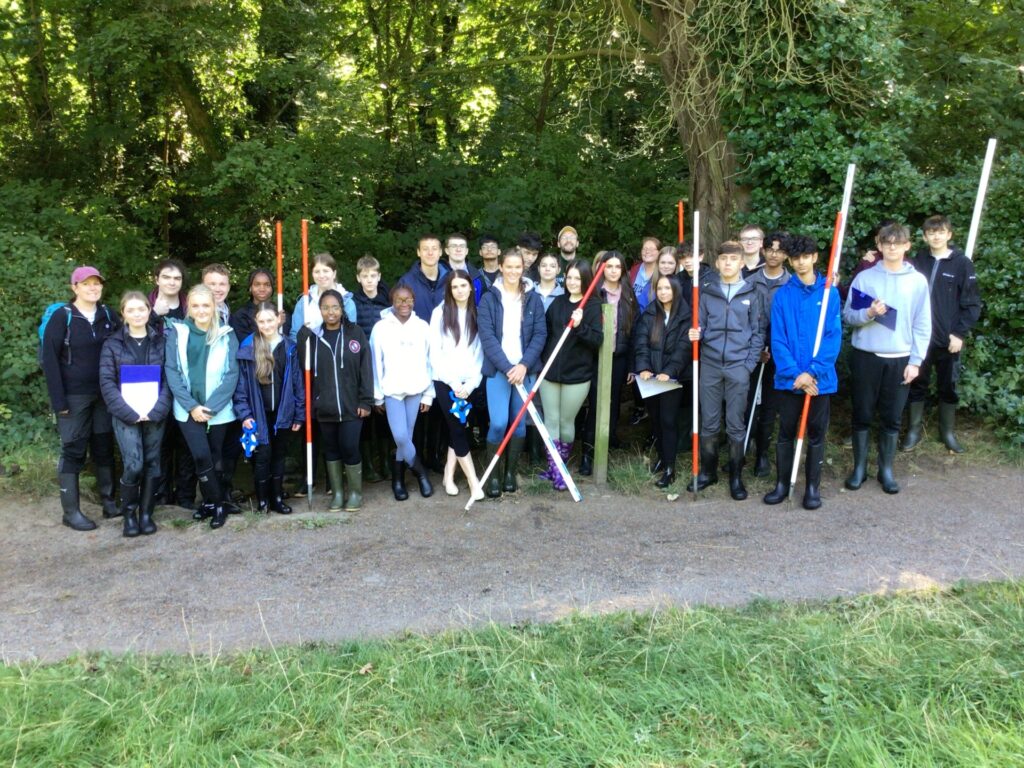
425, 565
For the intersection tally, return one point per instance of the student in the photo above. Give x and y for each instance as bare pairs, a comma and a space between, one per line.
567, 385
426, 278
530, 244
217, 278
490, 251
202, 372
796, 308
661, 354
568, 241
771, 276
751, 239
342, 392
456, 249
71, 345
956, 306
547, 272
886, 355
371, 298
456, 363
271, 398
667, 265
616, 291
166, 298
731, 332
261, 289
644, 272
139, 435
511, 328
402, 383
307, 309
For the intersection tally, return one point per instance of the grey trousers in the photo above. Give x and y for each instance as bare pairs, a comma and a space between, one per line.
729, 384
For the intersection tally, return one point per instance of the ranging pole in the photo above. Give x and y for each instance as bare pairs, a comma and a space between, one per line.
280, 267
681, 219
979, 201
695, 312
309, 388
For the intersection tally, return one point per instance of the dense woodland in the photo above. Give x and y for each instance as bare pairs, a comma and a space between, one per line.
130, 131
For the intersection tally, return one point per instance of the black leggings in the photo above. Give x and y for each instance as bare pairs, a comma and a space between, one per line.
268, 461
457, 436
205, 443
341, 440
664, 411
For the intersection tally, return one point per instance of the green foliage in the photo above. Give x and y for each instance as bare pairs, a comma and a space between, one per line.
930, 679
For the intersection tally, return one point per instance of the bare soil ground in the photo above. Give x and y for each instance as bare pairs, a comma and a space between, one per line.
425, 565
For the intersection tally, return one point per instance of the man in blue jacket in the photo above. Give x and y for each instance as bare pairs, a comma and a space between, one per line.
796, 309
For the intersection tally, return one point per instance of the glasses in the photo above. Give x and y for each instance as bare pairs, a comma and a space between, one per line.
400, 300
751, 239
893, 243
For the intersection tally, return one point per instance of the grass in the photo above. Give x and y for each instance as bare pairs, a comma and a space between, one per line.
925, 679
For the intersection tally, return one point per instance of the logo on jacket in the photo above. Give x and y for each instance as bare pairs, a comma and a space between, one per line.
354, 347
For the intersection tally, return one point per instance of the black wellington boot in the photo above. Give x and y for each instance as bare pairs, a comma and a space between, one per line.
512, 452
130, 510
587, 460
708, 474
493, 486
420, 472
812, 475
783, 473
277, 496
762, 442
398, 480
736, 487
212, 506
105, 488
947, 423
915, 417
147, 502
73, 517
886, 456
262, 495
860, 460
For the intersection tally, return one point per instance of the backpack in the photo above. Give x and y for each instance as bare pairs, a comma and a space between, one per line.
48, 314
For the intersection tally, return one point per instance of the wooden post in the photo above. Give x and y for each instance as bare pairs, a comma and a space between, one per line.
604, 394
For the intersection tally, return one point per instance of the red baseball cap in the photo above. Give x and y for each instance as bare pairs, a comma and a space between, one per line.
84, 273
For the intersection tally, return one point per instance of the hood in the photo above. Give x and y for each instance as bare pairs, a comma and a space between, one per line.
498, 284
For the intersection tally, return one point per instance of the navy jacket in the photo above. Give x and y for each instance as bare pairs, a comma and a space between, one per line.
74, 368
427, 296
248, 397
532, 332
368, 310
670, 354
117, 352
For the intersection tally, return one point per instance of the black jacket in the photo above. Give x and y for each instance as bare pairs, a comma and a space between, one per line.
74, 368
577, 360
368, 310
343, 383
117, 351
243, 322
956, 304
626, 320
670, 353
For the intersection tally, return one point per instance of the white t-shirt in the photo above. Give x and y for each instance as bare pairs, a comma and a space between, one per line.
512, 322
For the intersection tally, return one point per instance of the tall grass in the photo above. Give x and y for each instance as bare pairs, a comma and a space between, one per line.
924, 679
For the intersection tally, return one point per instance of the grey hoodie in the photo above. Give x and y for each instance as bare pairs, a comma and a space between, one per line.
906, 291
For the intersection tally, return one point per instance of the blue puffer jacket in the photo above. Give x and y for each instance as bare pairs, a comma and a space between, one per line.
249, 396
533, 331
795, 311
427, 294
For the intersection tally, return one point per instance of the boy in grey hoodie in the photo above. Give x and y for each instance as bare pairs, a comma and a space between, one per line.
890, 311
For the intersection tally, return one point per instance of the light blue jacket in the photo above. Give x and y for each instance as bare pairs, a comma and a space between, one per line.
221, 373
299, 315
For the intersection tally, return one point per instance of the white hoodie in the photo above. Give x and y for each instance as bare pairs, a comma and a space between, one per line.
457, 365
401, 359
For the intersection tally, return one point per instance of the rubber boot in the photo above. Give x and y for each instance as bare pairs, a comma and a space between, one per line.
564, 449
130, 510
334, 474
370, 473
587, 460
860, 460
708, 474
783, 473
213, 502
147, 502
231, 496
812, 475
69, 503
668, 476
398, 480
536, 446
736, 487
448, 478
469, 470
277, 496
915, 417
886, 456
493, 486
354, 475
947, 423
762, 442
512, 453
550, 473
420, 473
262, 495
105, 488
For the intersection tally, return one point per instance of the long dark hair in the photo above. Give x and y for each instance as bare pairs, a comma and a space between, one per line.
256, 273
627, 292
585, 272
450, 313
345, 322
658, 326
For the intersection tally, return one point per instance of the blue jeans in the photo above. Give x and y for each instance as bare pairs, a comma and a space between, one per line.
503, 403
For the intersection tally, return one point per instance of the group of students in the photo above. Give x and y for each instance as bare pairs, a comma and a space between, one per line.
421, 371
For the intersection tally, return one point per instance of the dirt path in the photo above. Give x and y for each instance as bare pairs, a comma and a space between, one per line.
424, 565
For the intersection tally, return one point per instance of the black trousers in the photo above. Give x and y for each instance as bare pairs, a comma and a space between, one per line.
457, 436
341, 441
664, 413
791, 405
177, 482
876, 385
947, 374
268, 460
206, 444
768, 410
85, 428
620, 368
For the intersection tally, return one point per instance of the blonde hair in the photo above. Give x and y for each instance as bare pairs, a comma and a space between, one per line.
213, 332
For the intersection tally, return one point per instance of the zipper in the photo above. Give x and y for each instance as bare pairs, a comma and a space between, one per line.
335, 368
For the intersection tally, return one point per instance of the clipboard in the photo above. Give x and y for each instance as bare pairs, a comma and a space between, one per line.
861, 300
140, 387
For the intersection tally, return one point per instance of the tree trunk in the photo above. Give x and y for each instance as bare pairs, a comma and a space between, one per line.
185, 85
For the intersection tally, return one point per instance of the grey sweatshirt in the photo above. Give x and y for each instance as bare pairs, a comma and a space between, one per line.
906, 291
